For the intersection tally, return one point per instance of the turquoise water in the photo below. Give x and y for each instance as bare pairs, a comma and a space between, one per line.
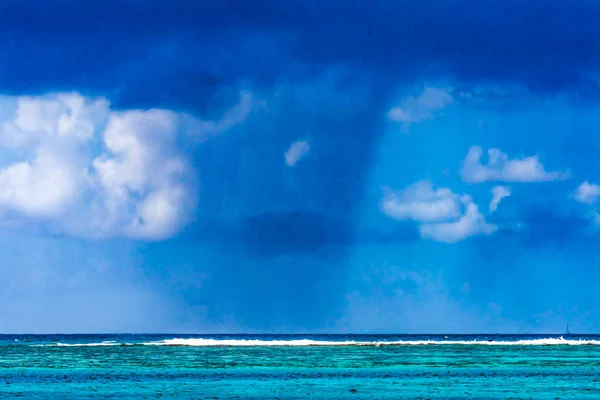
303, 366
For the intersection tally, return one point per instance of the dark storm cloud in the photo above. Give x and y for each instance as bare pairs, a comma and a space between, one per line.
181, 52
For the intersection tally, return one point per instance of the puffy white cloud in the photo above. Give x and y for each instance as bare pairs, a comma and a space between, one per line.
94, 171
422, 107
443, 215
47, 139
41, 187
501, 168
471, 223
498, 193
421, 202
144, 184
587, 193
296, 151
48, 118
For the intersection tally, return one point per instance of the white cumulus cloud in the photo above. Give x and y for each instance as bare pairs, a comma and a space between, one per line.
443, 215
41, 187
498, 193
422, 107
296, 151
94, 171
587, 193
501, 168
422, 202
142, 176
469, 224
41, 119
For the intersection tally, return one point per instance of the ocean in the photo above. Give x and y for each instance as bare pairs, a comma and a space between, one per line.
142, 366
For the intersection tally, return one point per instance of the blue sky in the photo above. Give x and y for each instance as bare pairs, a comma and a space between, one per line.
295, 166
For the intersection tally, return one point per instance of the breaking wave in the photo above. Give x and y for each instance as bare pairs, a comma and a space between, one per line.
306, 342
207, 342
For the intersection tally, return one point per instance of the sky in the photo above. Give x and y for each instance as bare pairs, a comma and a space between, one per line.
299, 166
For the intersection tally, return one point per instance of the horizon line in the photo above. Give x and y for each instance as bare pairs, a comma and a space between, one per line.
299, 334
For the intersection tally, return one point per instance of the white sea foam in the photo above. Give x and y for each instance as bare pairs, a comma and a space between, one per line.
106, 343
88, 344
206, 342
202, 342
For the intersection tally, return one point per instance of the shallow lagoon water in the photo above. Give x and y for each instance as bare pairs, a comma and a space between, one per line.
300, 366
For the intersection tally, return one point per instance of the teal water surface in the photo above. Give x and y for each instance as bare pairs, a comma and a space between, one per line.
295, 367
